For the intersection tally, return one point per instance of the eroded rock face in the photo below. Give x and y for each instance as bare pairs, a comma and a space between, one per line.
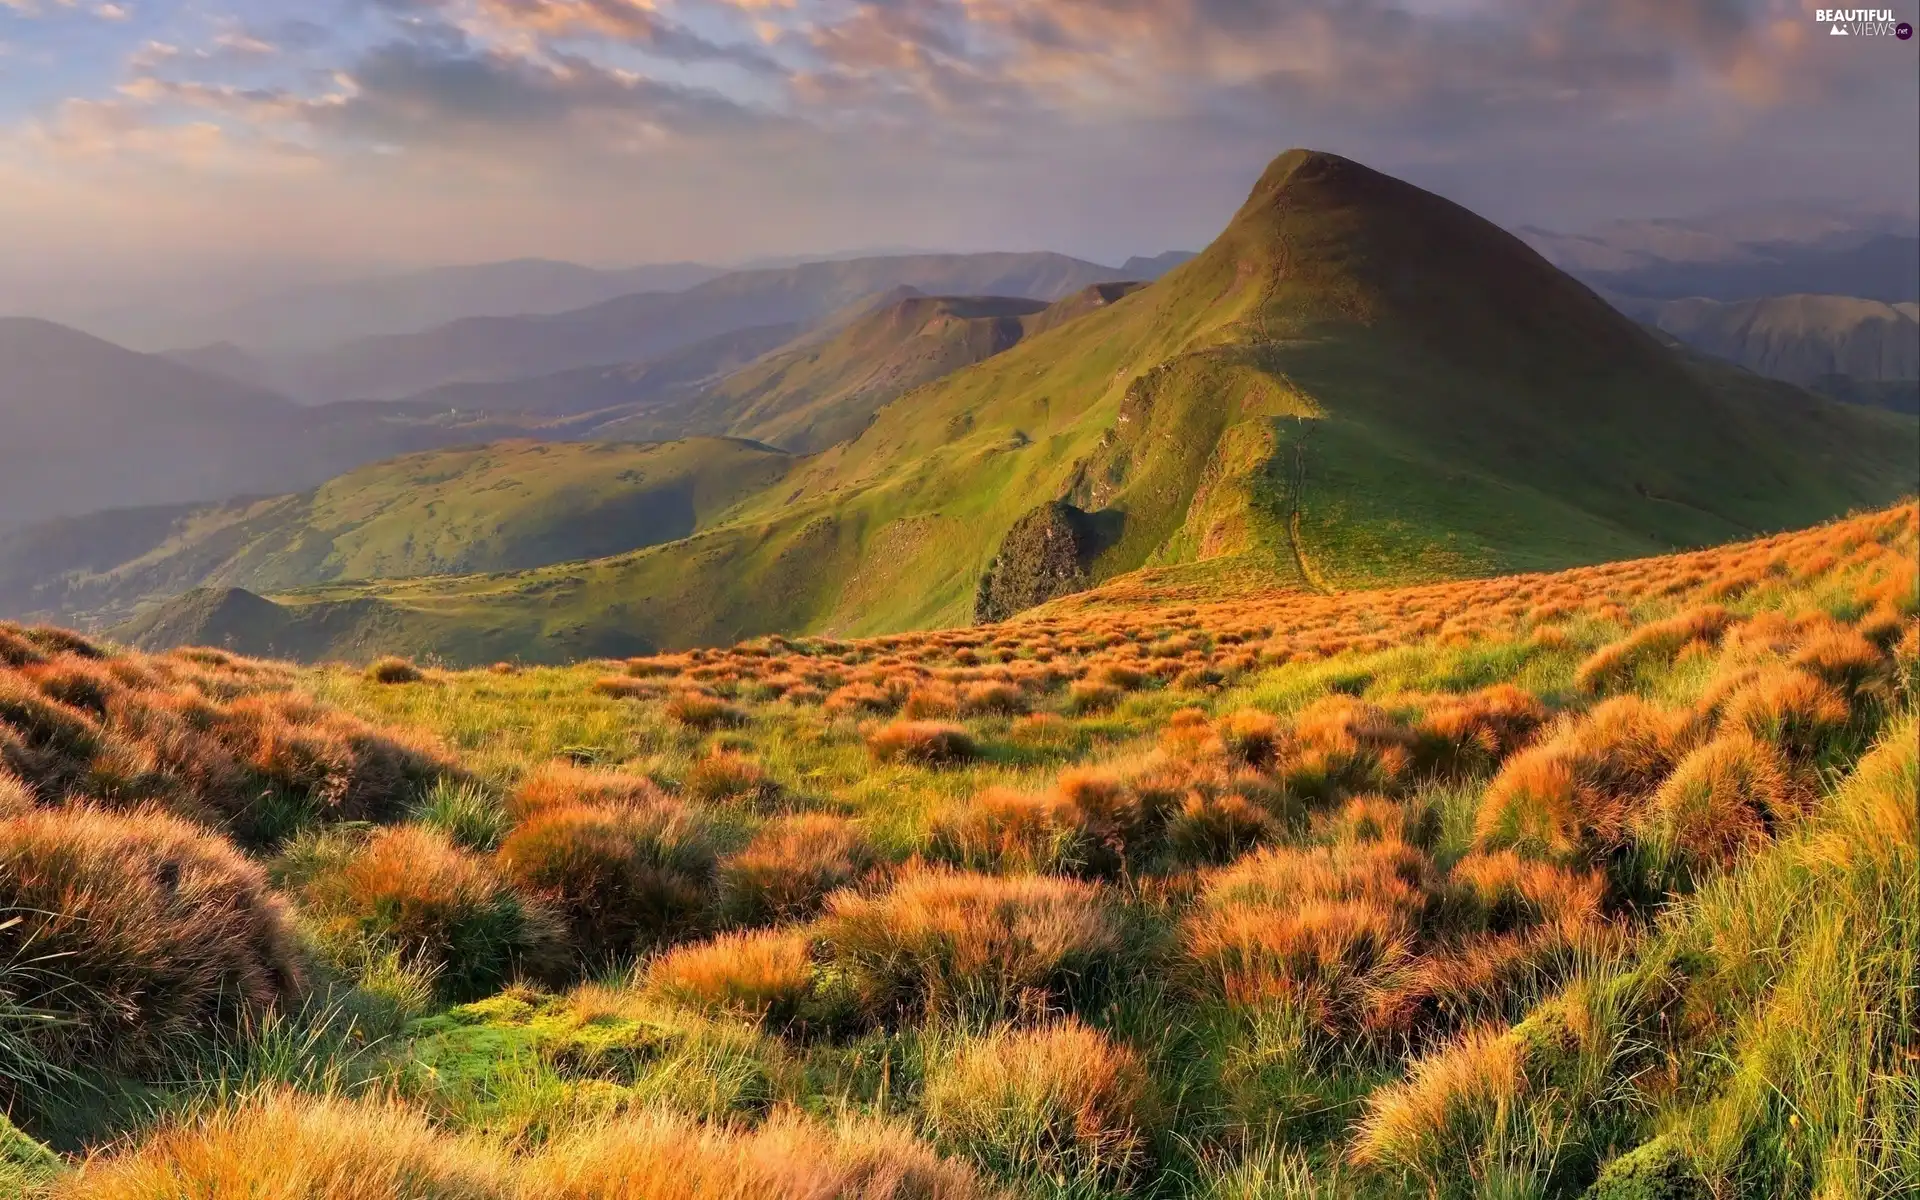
1044, 555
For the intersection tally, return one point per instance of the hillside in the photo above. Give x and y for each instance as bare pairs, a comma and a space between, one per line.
1802, 339
224, 360
505, 506
632, 328
825, 389
1742, 254
290, 321
1357, 383
617, 390
90, 425
1595, 885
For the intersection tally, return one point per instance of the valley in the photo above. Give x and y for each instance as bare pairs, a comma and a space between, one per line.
1357, 376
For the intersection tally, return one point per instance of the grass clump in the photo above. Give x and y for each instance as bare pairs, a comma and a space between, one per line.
621, 876
960, 943
729, 777
1061, 1104
696, 710
656, 1156
787, 871
466, 811
440, 907
133, 935
763, 976
922, 743
393, 669
289, 1147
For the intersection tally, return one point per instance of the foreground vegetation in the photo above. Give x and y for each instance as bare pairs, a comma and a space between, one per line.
1603, 883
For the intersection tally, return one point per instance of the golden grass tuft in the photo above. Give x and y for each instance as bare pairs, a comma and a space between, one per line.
1794, 710
656, 1155
1722, 800
623, 876
394, 669
765, 975
992, 698
1434, 1121
1062, 1104
1251, 737
1655, 643
1575, 792
954, 942
1218, 826
442, 907
1012, 832
930, 700
1090, 696
1316, 928
285, 1146
138, 932
697, 710
921, 743
790, 867
16, 798
727, 776
1476, 730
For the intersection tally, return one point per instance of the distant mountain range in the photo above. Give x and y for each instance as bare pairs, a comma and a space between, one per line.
636, 327
1744, 255
1815, 295
1861, 350
92, 425
1357, 383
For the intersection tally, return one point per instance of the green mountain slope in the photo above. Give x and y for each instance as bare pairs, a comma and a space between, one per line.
635, 327
1357, 383
630, 387
506, 506
824, 389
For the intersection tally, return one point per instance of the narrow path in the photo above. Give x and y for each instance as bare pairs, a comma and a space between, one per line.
1296, 490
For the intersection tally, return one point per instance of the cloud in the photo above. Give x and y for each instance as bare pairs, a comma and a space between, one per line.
1417, 65
682, 127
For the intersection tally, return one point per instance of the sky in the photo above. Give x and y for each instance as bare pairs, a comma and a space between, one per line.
223, 138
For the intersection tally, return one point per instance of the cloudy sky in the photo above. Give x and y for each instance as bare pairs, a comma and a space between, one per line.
143, 133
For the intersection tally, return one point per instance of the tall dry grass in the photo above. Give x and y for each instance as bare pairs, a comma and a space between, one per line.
135, 935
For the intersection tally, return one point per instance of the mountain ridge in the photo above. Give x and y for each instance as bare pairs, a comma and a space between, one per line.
1357, 382
627, 328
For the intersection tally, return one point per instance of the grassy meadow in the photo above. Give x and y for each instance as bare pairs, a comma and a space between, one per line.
1602, 883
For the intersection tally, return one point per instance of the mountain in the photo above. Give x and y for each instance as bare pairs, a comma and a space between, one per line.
518, 504
1771, 251
90, 425
627, 387
637, 327
226, 361
319, 315
1151, 268
1811, 340
825, 390
1885, 267
1358, 382
507, 506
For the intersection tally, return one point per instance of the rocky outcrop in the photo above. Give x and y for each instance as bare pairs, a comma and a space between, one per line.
1046, 554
